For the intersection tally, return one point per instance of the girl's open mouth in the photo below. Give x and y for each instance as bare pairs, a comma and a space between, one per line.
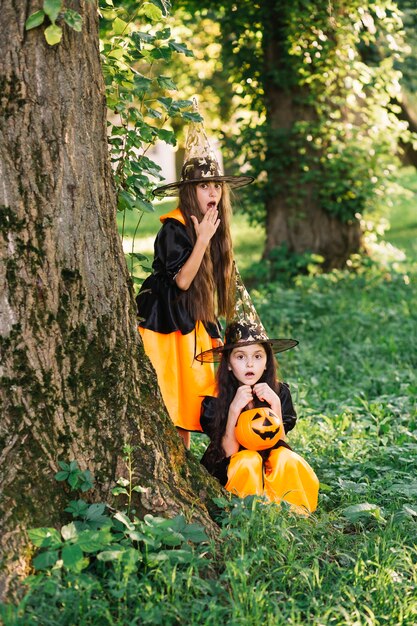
211, 204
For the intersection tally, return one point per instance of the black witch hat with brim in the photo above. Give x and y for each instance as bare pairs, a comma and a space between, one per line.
244, 328
200, 164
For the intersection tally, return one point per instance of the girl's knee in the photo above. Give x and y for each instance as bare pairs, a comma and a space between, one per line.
247, 456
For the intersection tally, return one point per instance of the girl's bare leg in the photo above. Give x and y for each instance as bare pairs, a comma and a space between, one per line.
185, 436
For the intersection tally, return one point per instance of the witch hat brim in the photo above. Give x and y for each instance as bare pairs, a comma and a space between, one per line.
172, 189
244, 327
215, 354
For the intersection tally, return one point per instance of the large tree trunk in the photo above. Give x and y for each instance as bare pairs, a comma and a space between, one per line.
75, 381
294, 219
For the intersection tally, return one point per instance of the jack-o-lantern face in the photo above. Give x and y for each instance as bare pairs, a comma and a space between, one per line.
259, 429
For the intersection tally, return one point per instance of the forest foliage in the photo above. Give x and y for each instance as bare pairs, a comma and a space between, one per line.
353, 379
353, 562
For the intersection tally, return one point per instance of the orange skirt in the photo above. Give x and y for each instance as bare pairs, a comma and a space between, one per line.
284, 476
183, 381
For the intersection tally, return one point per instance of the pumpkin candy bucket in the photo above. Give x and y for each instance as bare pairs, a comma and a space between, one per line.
259, 429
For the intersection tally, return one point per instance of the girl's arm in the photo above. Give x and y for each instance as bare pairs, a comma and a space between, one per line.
243, 396
205, 231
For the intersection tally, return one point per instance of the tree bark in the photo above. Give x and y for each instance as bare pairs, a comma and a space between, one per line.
407, 113
298, 221
75, 381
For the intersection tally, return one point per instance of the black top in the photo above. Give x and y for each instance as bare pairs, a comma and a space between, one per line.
214, 460
161, 304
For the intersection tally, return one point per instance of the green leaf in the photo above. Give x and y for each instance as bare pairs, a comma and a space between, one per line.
116, 491
357, 512
184, 104
119, 26
180, 48
125, 200
64, 466
73, 19
131, 556
94, 540
172, 538
151, 11
52, 9
73, 479
142, 83
149, 165
34, 20
192, 117
69, 532
117, 53
325, 487
162, 5
168, 136
95, 512
139, 257
138, 488
110, 555
59, 476
121, 517
163, 34
165, 82
194, 533
44, 537
153, 113
44, 560
164, 52
87, 480
174, 556
73, 557
53, 34
146, 37
166, 102
143, 205
78, 508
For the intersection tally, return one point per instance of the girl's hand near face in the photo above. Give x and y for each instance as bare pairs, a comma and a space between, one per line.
204, 231
264, 392
208, 225
243, 396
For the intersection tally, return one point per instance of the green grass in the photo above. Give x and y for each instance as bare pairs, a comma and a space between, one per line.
403, 215
352, 563
353, 378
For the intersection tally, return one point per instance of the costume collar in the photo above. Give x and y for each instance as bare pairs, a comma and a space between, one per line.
173, 215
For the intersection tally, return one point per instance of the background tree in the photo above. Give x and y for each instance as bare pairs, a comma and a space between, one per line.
75, 380
319, 126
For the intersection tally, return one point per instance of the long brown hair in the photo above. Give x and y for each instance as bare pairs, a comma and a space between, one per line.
210, 293
227, 385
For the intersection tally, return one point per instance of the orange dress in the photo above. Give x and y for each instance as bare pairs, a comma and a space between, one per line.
277, 473
171, 337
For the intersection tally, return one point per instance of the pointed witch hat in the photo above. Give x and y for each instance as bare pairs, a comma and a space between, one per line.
200, 163
244, 328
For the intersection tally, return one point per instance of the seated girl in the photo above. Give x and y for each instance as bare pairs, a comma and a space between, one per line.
246, 379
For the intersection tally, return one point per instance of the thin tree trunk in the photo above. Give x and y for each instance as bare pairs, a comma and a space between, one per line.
75, 381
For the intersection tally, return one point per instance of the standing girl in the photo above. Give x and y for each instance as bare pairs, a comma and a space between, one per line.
246, 379
191, 283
